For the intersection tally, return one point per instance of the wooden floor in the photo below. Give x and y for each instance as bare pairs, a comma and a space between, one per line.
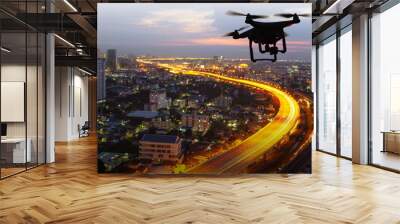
70, 191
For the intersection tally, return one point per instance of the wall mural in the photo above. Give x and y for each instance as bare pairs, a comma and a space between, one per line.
204, 88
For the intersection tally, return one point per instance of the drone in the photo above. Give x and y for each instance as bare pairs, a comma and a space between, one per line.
265, 34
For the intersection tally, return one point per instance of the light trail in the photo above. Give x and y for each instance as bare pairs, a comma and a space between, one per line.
238, 158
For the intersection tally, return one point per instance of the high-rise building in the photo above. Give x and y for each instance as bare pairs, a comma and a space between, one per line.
111, 61
101, 79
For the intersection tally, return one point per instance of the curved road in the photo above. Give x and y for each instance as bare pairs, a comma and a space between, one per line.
237, 159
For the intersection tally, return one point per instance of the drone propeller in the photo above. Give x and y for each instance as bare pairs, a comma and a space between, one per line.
290, 15
234, 13
232, 33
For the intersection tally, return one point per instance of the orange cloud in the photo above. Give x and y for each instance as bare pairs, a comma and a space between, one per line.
299, 43
220, 41
188, 20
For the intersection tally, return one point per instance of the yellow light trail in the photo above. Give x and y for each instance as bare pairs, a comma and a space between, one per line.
238, 158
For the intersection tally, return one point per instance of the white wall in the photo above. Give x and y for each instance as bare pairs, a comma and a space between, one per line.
12, 73
80, 112
15, 73
71, 102
62, 82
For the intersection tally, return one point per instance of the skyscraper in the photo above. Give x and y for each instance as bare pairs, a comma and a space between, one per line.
101, 79
111, 61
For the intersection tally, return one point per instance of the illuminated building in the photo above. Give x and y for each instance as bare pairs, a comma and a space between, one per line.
243, 66
160, 148
218, 58
223, 101
158, 99
162, 123
198, 123
124, 63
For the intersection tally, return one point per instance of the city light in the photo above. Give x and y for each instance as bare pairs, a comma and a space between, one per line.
258, 143
243, 133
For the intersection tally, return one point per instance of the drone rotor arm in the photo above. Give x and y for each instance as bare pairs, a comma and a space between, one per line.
234, 13
290, 15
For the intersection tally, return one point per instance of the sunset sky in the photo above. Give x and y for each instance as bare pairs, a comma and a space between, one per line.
194, 30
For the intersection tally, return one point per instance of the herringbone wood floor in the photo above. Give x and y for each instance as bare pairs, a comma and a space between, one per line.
70, 191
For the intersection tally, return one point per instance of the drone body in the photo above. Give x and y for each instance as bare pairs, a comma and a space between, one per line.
265, 34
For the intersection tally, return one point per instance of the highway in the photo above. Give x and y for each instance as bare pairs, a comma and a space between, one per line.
237, 159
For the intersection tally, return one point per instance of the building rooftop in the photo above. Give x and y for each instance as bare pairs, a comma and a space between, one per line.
160, 138
143, 114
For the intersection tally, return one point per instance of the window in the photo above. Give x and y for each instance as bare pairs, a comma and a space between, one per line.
385, 89
326, 99
346, 92
22, 76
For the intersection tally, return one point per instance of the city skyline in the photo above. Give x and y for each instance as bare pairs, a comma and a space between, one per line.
198, 29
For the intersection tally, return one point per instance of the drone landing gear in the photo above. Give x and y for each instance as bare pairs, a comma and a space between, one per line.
283, 44
266, 49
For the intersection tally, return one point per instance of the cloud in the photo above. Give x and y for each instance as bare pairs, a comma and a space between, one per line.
212, 41
188, 20
226, 41
299, 9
